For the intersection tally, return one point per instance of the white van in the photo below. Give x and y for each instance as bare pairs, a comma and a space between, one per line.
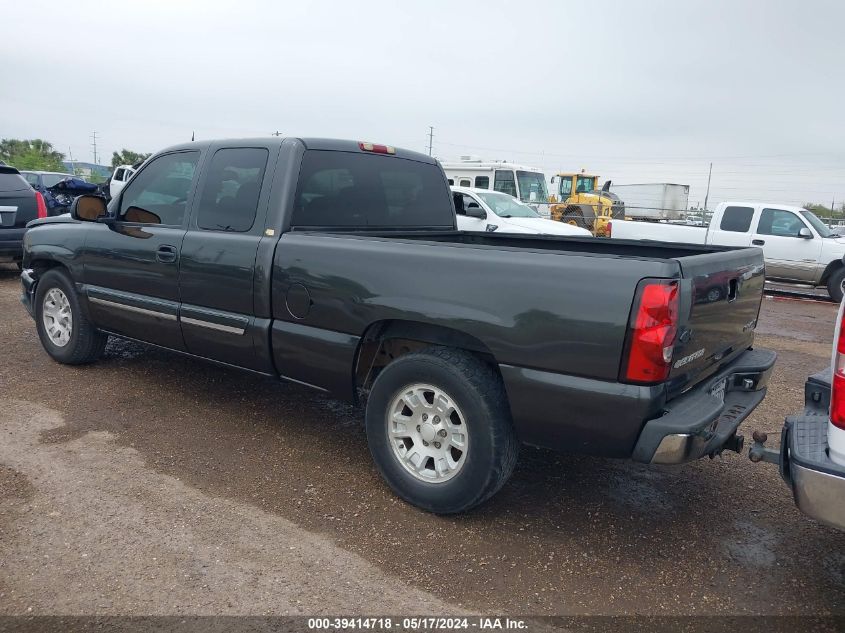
527, 184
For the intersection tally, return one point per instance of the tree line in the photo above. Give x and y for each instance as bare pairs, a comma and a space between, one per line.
40, 155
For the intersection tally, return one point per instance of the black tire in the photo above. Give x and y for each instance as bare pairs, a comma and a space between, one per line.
834, 284
575, 216
478, 391
714, 294
86, 343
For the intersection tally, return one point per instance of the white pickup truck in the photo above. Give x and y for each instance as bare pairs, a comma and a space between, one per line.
120, 176
797, 246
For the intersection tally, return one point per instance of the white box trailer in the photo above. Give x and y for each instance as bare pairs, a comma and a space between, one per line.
653, 201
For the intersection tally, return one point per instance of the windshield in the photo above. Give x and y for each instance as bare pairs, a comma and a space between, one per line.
50, 180
585, 184
506, 206
820, 227
532, 186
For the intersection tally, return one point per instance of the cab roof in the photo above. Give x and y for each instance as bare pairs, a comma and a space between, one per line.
338, 145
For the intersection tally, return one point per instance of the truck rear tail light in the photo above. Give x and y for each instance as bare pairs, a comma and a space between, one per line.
378, 149
42, 207
610, 229
651, 332
837, 394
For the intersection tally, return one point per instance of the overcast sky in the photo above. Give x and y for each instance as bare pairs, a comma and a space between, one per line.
633, 91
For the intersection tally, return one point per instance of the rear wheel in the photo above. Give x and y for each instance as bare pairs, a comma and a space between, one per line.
65, 330
714, 294
834, 284
439, 429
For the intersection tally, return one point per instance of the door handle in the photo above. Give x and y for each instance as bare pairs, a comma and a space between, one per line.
758, 242
166, 254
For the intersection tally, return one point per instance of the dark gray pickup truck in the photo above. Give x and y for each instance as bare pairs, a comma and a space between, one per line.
337, 265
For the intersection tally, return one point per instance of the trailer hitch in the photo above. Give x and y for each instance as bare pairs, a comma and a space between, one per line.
758, 451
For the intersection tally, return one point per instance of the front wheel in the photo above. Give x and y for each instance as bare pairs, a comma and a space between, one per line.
834, 284
66, 333
439, 429
575, 217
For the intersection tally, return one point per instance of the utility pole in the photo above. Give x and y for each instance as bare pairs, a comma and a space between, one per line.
70, 160
707, 195
430, 138
832, 202
94, 145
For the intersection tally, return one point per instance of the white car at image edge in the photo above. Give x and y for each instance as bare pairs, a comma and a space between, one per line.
811, 455
485, 210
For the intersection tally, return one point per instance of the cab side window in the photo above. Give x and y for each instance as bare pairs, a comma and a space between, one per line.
736, 219
229, 197
504, 181
780, 223
482, 182
469, 200
159, 194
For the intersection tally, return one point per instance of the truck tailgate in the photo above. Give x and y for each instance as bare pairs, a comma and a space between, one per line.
720, 302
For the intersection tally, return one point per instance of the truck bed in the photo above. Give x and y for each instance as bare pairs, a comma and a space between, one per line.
581, 245
544, 308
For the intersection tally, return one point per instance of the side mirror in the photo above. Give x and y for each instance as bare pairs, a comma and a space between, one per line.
475, 211
805, 233
88, 208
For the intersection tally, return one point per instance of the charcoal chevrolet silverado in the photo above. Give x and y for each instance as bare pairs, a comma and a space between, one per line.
337, 265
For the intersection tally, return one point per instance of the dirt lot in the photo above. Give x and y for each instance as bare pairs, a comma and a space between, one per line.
153, 484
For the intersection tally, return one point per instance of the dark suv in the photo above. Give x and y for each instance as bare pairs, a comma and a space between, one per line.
19, 203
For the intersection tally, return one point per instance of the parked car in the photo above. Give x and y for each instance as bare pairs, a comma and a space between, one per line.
43, 180
798, 247
811, 457
19, 203
338, 265
58, 189
485, 210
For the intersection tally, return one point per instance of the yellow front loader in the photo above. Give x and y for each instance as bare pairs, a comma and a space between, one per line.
577, 200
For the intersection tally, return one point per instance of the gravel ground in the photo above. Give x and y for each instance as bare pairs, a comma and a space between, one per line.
152, 483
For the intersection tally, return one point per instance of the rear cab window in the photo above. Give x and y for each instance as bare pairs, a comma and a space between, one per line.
737, 219
349, 190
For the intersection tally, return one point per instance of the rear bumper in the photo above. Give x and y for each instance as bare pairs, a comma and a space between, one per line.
817, 482
700, 423
28, 281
